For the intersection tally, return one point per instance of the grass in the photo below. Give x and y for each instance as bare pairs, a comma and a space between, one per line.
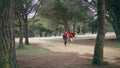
36, 51
114, 46
27, 50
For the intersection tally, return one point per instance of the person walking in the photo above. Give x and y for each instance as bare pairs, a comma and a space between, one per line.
70, 35
65, 37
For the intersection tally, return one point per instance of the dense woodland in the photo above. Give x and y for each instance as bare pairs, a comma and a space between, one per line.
43, 18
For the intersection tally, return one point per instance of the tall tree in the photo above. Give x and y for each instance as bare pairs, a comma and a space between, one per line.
56, 11
7, 44
20, 30
113, 15
25, 7
19, 14
62, 11
98, 51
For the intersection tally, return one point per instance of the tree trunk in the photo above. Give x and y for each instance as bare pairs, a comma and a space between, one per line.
66, 26
60, 32
81, 25
26, 30
7, 44
21, 33
74, 25
21, 36
114, 16
117, 20
117, 32
98, 50
40, 32
116, 27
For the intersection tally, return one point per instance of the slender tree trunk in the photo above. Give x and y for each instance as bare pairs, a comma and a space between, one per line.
60, 32
74, 25
81, 25
21, 33
116, 30
117, 21
66, 26
114, 16
21, 36
116, 27
26, 30
40, 32
98, 51
7, 44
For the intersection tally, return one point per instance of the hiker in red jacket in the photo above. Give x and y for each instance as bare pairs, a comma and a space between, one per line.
65, 37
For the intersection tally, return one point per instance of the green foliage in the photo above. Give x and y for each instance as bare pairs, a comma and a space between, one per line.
63, 11
39, 26
60, 9
34, 26
43, 27
53, 12
109, 27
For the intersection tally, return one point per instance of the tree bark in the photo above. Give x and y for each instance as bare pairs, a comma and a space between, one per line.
74, 25
26, 30
7, 44
98, 50
21, 32
116, 30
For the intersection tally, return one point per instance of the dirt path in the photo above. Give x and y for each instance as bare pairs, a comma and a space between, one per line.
110, 54
84, 49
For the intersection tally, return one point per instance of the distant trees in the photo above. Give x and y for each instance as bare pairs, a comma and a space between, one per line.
7, 42
63, 11
35, 27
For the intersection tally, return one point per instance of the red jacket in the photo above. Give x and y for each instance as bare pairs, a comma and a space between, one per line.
70, 35
65, 35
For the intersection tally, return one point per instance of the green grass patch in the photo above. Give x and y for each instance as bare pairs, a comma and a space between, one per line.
36, 51
114, 46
